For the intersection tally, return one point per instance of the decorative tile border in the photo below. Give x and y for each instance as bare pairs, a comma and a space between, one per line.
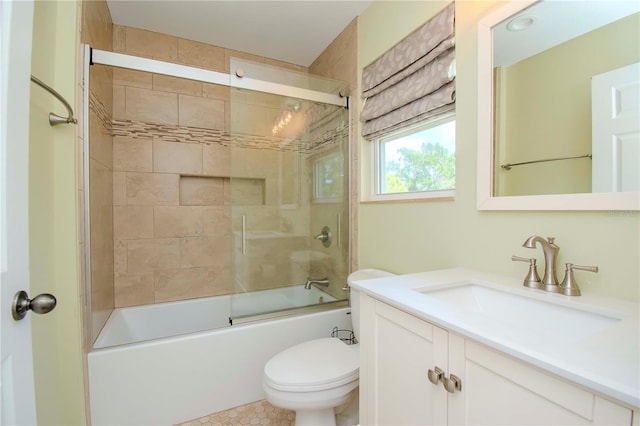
322, 138
100, 110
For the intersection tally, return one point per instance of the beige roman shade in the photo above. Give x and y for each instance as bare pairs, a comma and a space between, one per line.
413, 81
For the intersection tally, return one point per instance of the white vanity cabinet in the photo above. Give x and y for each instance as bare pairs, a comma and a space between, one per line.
398, 350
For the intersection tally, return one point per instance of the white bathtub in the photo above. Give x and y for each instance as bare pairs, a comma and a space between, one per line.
148, 322
162, 381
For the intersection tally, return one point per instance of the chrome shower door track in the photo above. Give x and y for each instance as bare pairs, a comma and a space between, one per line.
121, 60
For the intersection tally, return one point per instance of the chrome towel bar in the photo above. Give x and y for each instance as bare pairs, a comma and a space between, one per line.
55, 119
510, 165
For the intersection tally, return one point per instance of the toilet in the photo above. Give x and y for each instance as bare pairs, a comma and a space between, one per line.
315, 377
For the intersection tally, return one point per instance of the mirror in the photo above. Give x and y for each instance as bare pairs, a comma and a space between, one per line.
536, 68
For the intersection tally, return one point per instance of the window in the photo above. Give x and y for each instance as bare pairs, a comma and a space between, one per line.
416, 163
328, 177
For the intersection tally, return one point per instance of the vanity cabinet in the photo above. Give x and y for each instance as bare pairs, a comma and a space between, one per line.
398, 350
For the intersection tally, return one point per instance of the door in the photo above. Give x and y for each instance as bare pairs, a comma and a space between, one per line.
616, 130
16, 376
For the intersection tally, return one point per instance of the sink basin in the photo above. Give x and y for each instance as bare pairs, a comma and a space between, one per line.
522, 312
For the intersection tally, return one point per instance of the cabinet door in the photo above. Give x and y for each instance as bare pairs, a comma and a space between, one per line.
500, 390
397, 351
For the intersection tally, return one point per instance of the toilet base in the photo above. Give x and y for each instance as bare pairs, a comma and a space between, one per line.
324, 417
319, 408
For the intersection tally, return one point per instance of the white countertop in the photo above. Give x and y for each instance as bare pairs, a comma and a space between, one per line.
606, 361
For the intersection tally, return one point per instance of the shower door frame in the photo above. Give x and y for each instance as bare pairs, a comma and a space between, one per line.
233, 80
236, 80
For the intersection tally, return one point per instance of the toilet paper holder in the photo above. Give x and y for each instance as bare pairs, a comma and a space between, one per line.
346, 336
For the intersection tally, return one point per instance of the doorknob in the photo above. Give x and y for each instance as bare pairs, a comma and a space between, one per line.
41, 304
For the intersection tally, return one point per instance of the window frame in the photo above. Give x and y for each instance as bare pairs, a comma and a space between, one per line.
378, 157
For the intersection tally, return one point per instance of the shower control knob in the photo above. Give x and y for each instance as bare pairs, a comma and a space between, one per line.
41, 304
324, 236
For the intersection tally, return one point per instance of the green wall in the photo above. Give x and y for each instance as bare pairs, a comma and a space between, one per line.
421, 236
53, 219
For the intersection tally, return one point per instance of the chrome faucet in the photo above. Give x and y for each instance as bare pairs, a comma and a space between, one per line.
568, 286
323, 282
550, 250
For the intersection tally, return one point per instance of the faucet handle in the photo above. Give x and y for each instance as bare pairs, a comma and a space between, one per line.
532, 280
522, 259
324, 236
569, 286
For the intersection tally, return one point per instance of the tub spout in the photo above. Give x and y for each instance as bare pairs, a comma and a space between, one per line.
323, 282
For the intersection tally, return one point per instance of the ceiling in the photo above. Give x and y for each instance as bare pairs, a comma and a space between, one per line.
293, 31
554, 22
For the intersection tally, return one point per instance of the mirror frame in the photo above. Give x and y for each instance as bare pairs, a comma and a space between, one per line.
485, 155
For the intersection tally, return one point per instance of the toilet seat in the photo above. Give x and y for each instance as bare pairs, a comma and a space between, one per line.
313, 366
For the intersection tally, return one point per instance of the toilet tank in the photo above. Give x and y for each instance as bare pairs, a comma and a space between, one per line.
363, 274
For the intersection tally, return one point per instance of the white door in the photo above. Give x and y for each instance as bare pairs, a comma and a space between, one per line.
16, 375
615, 100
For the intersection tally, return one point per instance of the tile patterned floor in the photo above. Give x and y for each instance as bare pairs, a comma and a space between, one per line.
258, 413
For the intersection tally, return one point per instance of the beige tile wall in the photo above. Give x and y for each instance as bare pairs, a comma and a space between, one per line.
268, 262
339, 62
172, 199
171, 229
168, 48
97, 32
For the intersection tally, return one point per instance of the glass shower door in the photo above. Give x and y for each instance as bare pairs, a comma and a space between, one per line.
280, 146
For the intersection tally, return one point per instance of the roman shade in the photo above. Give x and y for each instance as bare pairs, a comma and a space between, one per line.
413, 81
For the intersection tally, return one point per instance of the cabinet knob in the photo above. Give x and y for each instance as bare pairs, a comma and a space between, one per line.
452, 383
435, 375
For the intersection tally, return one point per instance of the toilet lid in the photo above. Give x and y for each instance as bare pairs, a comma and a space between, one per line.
311, 366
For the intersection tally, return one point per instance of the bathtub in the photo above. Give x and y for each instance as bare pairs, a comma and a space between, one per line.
148, 322
158, 375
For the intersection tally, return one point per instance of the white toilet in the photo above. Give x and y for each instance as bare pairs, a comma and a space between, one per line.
315, 377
